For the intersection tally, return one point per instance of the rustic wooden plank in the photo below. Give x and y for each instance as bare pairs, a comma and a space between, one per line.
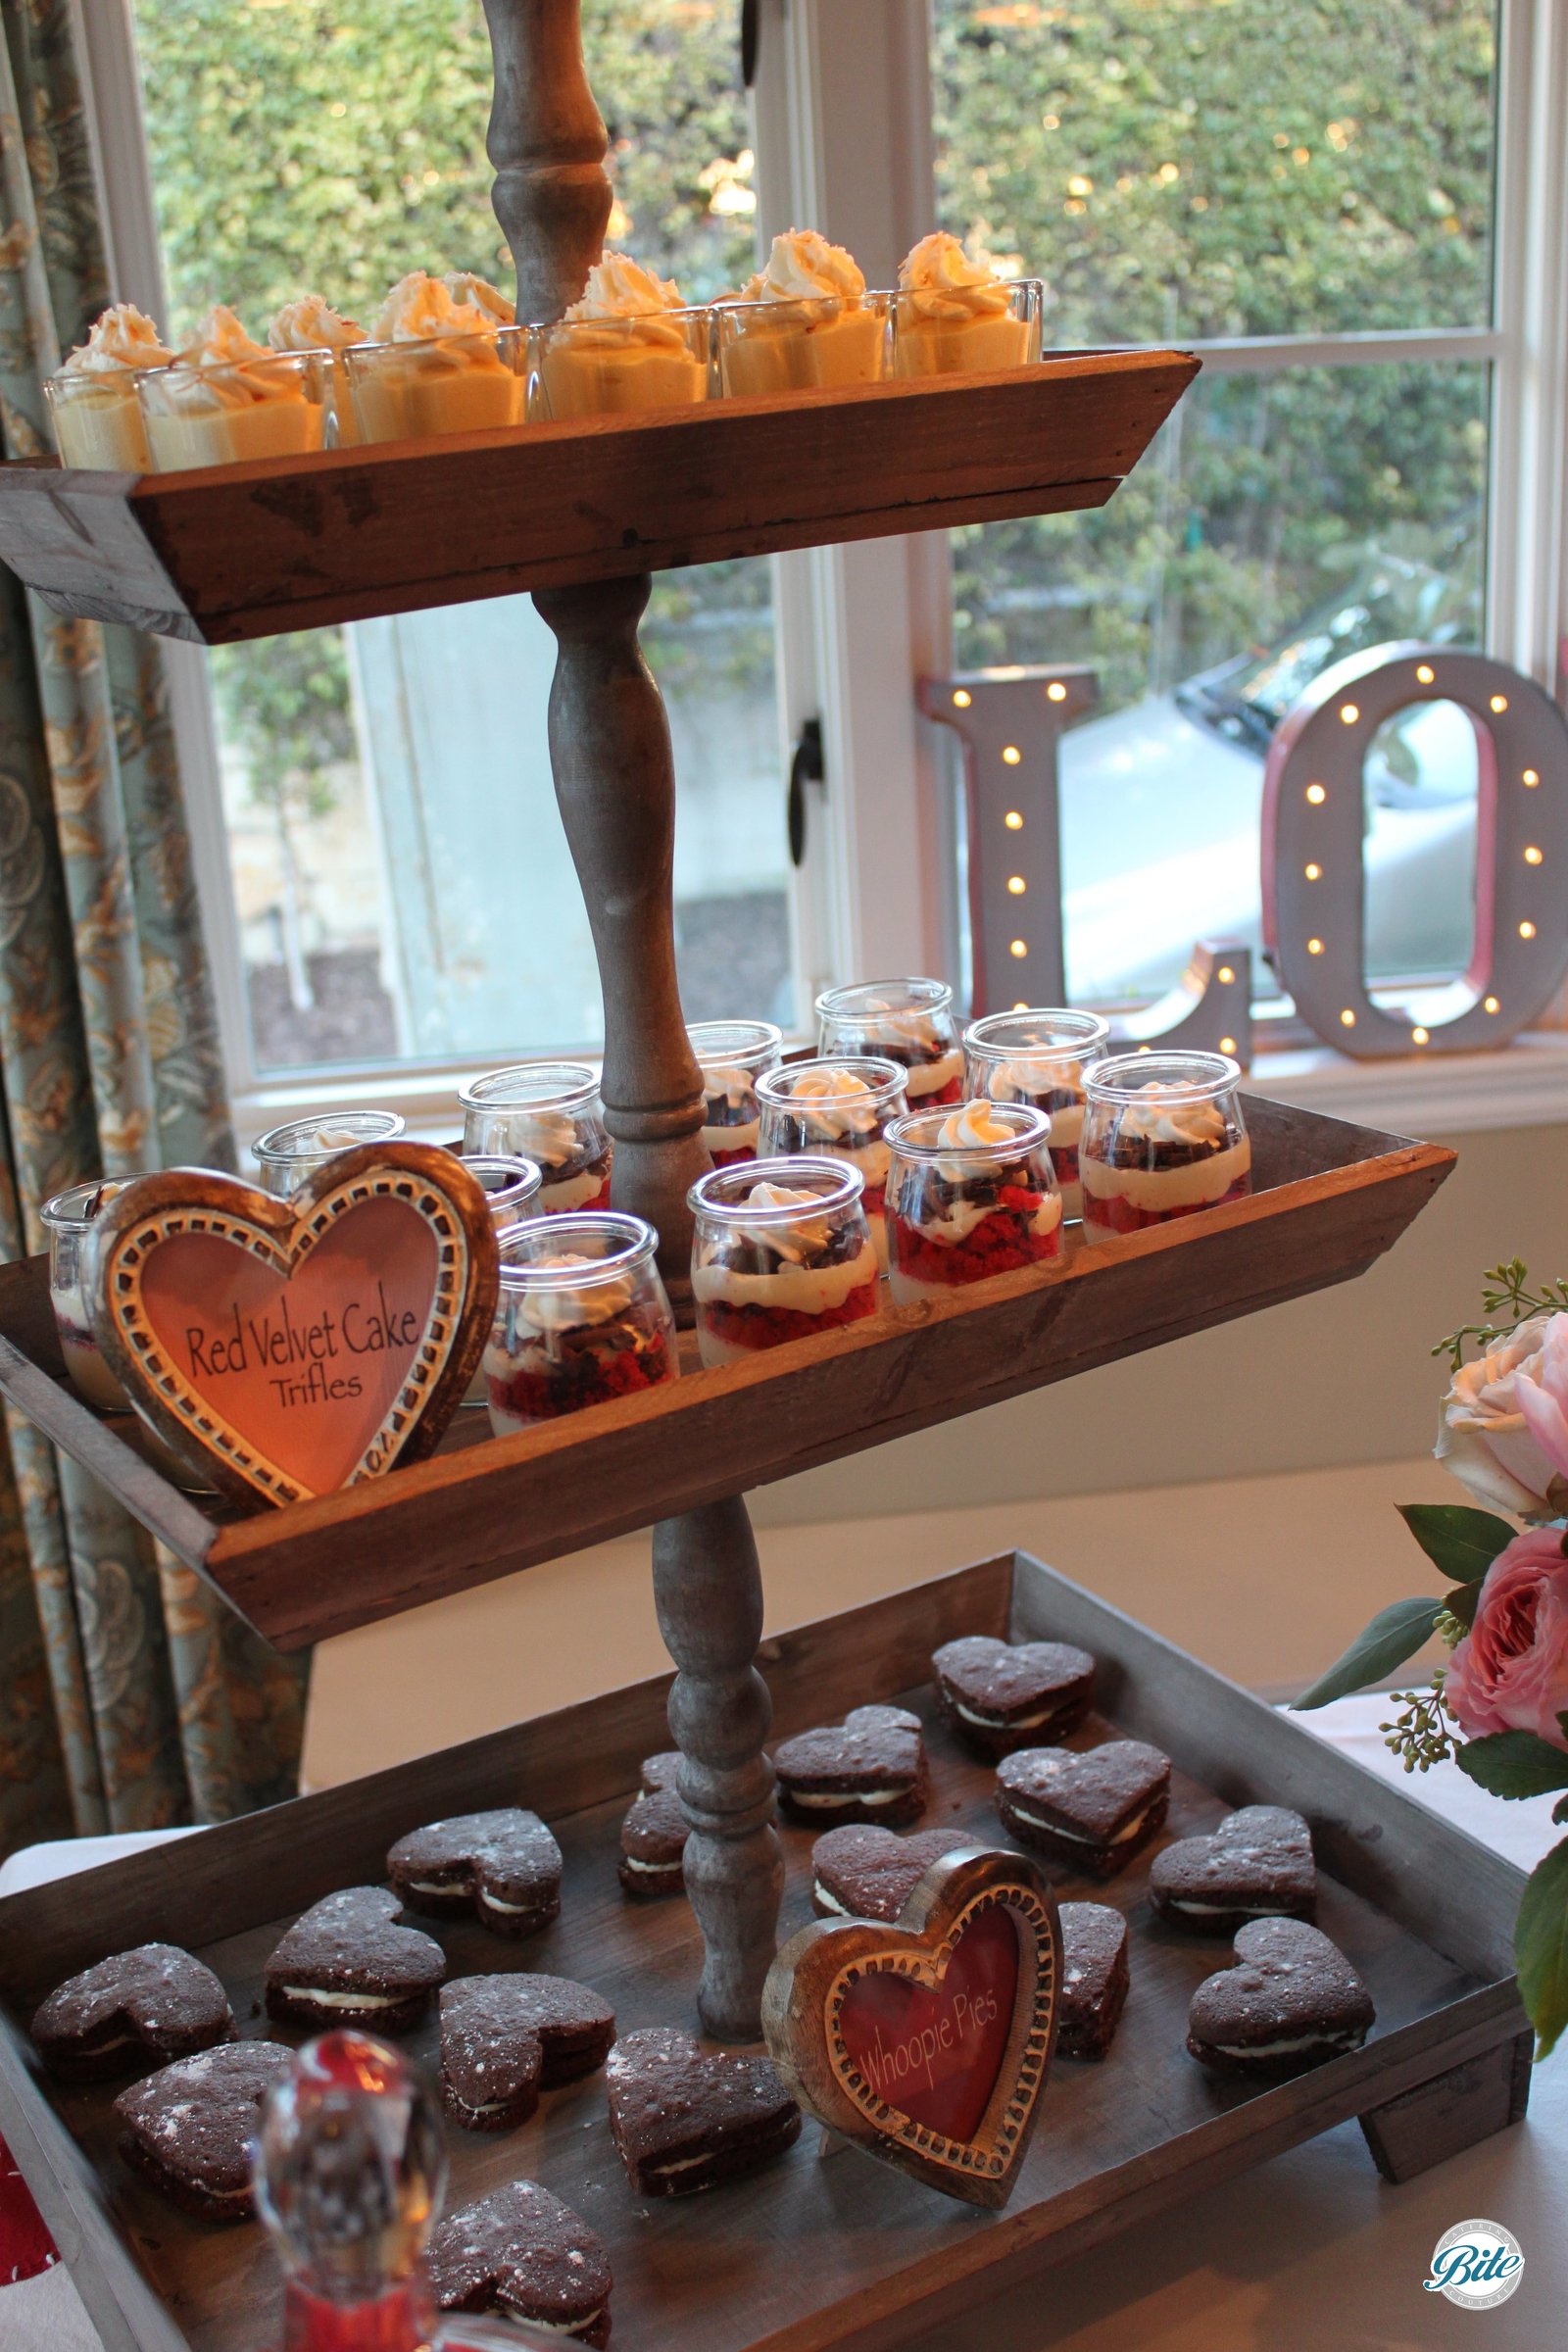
244, 550
1467, 2103
1331, 1199
805, 2256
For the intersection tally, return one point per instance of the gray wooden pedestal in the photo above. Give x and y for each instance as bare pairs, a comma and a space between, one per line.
615, 775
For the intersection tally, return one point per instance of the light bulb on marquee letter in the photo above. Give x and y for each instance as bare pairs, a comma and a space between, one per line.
1313, 828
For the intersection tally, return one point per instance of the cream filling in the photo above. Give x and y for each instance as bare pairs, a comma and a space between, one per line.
873, 1159
802, 1290
348, 2000
493, 1902
1067, 1123
681, 2164
1218, 1910
441, 1886
1077, 1837
1186, 1187
649, 1869
99, 2049
830, 1902
929, 1077
965, 1216
1008, 1722
825, 1803
1345, 2038
554, 2326
741, 1137
556, 1198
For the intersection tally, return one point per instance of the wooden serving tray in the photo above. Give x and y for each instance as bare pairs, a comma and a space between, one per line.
245, 551
811, 2253
1331, 1199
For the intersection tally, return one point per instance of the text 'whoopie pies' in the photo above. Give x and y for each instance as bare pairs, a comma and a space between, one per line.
344, 1962
1091, 1811
1094, 1977
870, 1767
684, 2118
1258, 1865
1292, 2000
861, 1873
153, 2002
522, 2252
504, 1866
188, 2128
504, 2038
653, 1835
999, 1695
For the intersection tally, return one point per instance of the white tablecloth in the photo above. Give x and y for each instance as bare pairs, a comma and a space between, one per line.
1310, 2253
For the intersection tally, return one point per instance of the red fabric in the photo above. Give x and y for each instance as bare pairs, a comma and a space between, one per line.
25, 2246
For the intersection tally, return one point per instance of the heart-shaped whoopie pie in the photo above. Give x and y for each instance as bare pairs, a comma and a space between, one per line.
653, 1835
522, 2252
189, 2126
1093, 1810
346, 1962
503, 1866
863, 1872
289, 1347
155, 2001
870, 1767
505, 2037
1256, 1865
927, 2040
1292, 2000
1001, 1696
684, 2118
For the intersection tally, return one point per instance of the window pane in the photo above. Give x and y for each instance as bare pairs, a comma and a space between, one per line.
402, 879
1177, 168
1279, 522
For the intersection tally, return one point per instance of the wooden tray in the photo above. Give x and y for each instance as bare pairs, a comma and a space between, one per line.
1332, 1198
245, 551
810, 2253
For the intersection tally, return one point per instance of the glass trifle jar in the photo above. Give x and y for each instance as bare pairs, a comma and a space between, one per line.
972, 1192
512, 1188
908, 1021
780, 1251
287, 1154
1164, 1137
581, 1318
732, 1056
1037, 1057
549, 1112
67, 1217
836, 1111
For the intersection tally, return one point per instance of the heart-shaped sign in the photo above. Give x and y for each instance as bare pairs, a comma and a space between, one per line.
290, 1348
928, 2042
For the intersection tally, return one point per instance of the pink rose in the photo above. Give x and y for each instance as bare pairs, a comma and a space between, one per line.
1484, 1436
1510, 1672
1540, 1393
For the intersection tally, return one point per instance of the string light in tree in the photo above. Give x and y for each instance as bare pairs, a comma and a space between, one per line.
1313, 800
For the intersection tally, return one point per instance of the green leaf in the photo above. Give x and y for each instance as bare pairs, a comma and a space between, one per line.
1395, 1633
1461, 1603
1559, 1811
1541, 1948
1457, 1538
1514, 1764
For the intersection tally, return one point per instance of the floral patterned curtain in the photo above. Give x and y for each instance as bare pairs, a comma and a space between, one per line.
130, 1697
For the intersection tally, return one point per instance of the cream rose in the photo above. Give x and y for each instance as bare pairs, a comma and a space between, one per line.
1483, 1437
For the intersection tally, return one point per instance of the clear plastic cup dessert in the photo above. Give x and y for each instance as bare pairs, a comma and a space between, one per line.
1164, 1137
92, 398
67, 1217
308, 324
972, 1192
549, 1112
600, 362
804, 322
953, 316
837, 1108
287, 1154
512, 1188
732, 1056
581, 1318
421, 387
908, 1021
780, 1251
1039, 1056
272, 405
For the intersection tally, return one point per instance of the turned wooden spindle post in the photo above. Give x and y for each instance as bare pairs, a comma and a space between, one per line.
616, 782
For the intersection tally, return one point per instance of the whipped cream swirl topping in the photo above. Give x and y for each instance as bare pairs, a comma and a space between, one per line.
479, 294
553, 1305
975, 1126
834, 1103
547, 1136
1166, 1114
722, 1080
120, 337
802, 266
420, 308
942, 282
310, 323
794, 1240
221, 342
628, 302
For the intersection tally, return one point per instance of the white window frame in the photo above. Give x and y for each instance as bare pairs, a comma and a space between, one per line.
843, 140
